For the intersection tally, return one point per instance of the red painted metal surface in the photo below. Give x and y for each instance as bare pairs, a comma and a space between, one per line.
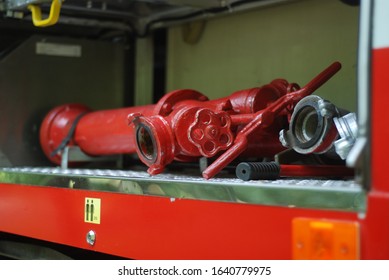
375, 229
142, 227
380, 131
329, 171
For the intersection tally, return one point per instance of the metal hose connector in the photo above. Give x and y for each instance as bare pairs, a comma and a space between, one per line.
311, 128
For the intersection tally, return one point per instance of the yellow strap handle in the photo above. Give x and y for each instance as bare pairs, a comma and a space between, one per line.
53, 16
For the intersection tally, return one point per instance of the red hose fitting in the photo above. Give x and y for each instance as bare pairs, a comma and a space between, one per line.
154, 141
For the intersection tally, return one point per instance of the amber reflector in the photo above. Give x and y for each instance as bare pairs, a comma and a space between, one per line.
314, 239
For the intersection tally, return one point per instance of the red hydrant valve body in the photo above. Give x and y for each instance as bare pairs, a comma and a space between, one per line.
184, 125
184, 135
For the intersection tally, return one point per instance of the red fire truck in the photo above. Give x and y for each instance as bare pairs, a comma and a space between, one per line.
94, 211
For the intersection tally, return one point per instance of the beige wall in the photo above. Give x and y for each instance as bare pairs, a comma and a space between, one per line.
293, 41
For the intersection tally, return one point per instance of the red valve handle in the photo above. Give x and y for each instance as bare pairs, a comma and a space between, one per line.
265, 117
210, 132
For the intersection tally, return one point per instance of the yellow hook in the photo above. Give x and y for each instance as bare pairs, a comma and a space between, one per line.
53, 16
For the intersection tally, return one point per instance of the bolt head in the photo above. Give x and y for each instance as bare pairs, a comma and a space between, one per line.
91, 237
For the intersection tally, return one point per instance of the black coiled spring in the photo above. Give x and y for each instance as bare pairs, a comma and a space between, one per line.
258, 171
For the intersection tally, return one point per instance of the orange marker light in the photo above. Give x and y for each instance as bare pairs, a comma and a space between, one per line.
314, 239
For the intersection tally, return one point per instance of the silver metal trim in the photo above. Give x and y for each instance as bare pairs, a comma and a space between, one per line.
20, 4
360, 154
75, 154
344, 195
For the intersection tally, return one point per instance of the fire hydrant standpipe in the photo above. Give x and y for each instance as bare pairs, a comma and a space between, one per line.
184, 125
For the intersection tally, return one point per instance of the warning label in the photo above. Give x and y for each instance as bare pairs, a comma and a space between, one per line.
92, 210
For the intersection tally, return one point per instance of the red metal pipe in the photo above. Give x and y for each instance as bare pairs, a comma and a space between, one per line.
97, 133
